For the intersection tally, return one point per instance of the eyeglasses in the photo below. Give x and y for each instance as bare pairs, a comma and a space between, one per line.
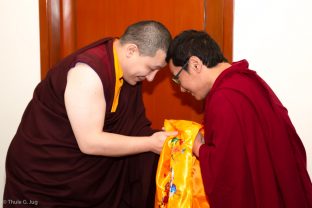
175, 78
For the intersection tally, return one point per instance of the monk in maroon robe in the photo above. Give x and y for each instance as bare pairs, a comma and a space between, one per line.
84, 140
251, 155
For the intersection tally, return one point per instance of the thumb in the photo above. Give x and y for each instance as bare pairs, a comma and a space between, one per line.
171, 133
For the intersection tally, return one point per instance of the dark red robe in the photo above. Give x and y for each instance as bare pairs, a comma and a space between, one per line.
44, 162
252, 156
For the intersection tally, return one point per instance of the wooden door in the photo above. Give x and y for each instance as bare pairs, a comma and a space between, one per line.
66, 25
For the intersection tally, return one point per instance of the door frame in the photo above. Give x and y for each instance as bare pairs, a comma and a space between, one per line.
57, 29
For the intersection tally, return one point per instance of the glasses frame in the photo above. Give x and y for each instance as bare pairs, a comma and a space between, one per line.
175, 78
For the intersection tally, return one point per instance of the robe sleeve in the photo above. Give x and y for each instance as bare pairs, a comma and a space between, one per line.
221, 155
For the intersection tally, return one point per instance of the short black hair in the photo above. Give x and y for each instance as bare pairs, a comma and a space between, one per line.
149, 36
195, 43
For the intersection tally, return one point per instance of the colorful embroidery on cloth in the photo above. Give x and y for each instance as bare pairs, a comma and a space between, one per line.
178, 179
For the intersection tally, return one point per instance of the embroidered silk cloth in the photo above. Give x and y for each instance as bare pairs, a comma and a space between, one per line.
178, 177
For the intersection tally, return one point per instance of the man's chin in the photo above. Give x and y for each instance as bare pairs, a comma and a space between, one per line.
137, 80
132, 82
197, 97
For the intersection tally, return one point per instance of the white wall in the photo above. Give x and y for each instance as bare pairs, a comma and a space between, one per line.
276, 38
19, 67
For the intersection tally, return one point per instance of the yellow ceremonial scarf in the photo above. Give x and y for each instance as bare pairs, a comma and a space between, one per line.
178, 178
119, 81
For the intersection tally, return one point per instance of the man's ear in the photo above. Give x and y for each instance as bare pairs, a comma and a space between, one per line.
195, 64
131, 49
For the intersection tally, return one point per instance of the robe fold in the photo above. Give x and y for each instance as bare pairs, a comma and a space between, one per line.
44, 162
252, 156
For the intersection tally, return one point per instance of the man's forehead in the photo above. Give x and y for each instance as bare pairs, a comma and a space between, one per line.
171, 64
160, 58
172, 67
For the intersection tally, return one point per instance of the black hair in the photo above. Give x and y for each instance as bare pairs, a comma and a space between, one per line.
195, 43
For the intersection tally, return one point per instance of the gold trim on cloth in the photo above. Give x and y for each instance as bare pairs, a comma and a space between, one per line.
119, 81
178, 178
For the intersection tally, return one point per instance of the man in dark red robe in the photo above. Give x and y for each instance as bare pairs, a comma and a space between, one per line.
84, 140
251, 155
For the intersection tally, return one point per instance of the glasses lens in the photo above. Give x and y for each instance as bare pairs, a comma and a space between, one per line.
175, 78
177, 81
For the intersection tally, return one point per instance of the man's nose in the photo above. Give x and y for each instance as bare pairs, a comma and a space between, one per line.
150, 77
182, 89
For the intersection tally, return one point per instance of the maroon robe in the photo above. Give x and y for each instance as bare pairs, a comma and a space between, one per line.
252, 156
44, 162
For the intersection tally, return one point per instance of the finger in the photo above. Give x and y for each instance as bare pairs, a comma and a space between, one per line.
171, 133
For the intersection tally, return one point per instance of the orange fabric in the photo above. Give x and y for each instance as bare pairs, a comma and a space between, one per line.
119, 81
178, 178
